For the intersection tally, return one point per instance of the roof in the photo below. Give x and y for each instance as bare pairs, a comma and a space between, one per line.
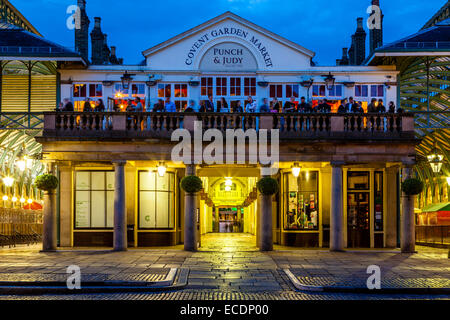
21, 17
442, 13
437, 207
218, 19
18, 43
433, 41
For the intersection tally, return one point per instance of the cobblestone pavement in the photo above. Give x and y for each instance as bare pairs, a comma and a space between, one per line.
229, 267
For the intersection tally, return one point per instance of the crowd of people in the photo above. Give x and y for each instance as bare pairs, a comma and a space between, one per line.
250, 106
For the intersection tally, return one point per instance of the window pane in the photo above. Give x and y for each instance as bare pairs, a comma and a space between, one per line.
364, 90
82, 181
110, 209
147, 209
381, 91
358, 181
322, 91
98, 209
110, 180
162, 210
171, 210
378, 201
98, 181
147, 180
162, 183
82, 210
160, 91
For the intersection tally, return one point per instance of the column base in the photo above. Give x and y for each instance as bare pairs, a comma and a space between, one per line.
46, 251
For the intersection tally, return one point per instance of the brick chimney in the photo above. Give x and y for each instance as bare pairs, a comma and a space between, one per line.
82, 34
97, 41
359, 42
344, 60
376, 35
106, 50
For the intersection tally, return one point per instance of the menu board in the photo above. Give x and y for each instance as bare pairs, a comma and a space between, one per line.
82, 210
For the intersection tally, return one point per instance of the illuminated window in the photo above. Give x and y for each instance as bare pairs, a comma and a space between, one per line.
292, 90
95, 90
318, 91
221, 86
235, 87
79, 91
250, 86
94, 199
206, 86
361, 91
276, 91
164, 90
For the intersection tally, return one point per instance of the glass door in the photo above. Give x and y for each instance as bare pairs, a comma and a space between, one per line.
358, 226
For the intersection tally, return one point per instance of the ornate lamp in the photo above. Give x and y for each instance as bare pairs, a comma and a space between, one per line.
435, 160
8, 181
23, 160
126, 80
162, 169
296, 169
329, 81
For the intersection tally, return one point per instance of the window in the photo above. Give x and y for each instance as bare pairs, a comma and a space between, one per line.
94, 199
318, 91
336, 91
276, 91
79, 90
164, 90
377, 91
378, 223
137, 89
206, 86
235, 87
221, 86
95, 90
358, 180
249, 86
301, 198
292, 90
156, 200
361, 90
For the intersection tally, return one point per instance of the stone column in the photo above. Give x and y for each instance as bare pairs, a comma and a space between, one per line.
49, 236
49, 227
408, 236
265, 225
120, 214
190, 215
336, 215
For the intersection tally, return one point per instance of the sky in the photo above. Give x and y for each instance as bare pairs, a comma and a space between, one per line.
323, 26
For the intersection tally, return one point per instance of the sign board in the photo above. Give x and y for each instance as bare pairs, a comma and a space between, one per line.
228, 56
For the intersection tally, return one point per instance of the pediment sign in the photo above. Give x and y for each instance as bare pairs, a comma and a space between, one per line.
228, 56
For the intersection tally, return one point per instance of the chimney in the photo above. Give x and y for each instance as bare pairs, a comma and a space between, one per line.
97, 41
359, 42
351, 54
82, 33
105, 48
376, 34
344, 60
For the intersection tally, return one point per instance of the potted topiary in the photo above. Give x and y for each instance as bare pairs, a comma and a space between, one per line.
412, 186
191, 184
267, 186
46, 182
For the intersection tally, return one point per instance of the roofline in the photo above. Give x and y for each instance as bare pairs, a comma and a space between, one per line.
429, 23
23, 18
41, 58
227, 14
409, 53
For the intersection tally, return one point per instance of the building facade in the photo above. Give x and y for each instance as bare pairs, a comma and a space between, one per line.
348, 185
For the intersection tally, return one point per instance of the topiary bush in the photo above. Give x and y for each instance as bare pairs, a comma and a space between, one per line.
191, 184
267, 186
46, 182
412, 186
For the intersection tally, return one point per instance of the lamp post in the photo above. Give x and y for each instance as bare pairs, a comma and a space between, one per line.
126, 80
435, 160
307, 83
329, 81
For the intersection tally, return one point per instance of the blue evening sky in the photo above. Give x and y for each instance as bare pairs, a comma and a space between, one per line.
323, 26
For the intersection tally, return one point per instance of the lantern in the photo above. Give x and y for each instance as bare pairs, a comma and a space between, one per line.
296, 170
162, 169
435, 160
329, 81
126, 80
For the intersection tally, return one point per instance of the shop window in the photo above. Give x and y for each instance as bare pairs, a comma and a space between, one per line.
221, 86
156, 200
336, 91
235, 87
301, 198
276, 91
292, 90
318, 91
378, 194
94, 199
361, 91
95, 90
377, 91
358, 180
164, 90
206, 86
250, 86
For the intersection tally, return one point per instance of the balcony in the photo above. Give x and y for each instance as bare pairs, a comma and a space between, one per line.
292, 126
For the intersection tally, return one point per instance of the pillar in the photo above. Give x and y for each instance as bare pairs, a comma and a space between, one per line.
265, 225
408, 236
49, 239
120, 214
336, 215
190, 215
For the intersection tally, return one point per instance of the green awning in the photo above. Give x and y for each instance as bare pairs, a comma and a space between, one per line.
437, 207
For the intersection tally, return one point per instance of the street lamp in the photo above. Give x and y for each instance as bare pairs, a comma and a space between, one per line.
162, 169
8, 181
329, 81
23, 161
435, 160
126, 80
296, 169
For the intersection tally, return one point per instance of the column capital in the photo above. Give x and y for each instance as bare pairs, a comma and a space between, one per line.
337, 163
119, 162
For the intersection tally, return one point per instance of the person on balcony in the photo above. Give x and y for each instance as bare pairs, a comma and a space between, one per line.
159, 106
351, 106
224, 105
251, 105
324, 107
303, 106
289, 106
238, 107
264, 108
170, 106
275, 106
138, 107
67, 105
373, 106
381, 107
87, 105
391, 107
192, 107
343, 107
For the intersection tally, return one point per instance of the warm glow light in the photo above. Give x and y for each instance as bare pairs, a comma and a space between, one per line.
5, 198
121, 107
448, 181
21, 164
22, 200
227, 188
162, 169
296, 170
29, 162
118, 95
14, 199
30, 201
228, 182
307, 175
8, 181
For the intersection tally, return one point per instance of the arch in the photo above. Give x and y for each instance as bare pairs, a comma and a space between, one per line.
227, 39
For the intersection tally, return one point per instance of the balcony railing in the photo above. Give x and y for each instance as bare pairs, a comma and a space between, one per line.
291, 125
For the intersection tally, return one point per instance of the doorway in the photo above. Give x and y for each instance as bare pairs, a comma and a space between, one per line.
231, 220
358, 231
